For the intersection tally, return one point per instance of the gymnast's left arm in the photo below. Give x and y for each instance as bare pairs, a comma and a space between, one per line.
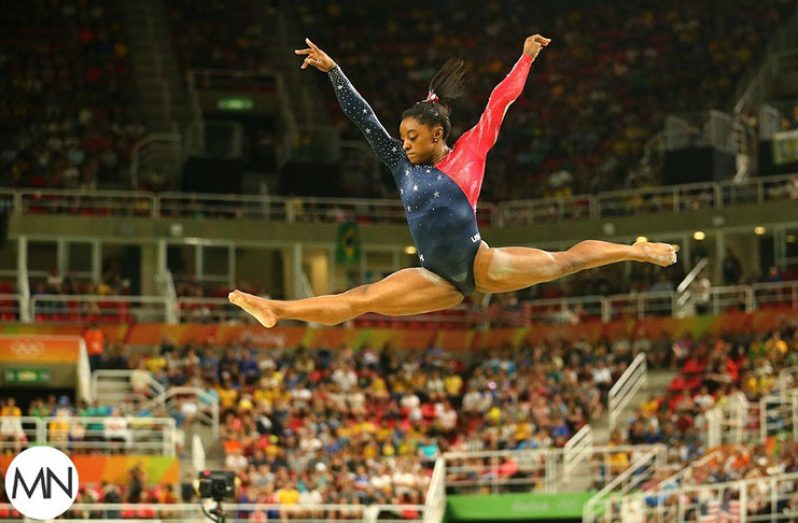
484, 134
355, 106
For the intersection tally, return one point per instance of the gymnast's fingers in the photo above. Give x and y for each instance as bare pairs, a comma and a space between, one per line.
303, 51
311, 44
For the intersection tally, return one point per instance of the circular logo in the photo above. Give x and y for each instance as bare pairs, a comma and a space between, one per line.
41, 482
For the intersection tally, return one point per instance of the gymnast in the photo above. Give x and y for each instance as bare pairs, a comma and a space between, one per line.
439, 187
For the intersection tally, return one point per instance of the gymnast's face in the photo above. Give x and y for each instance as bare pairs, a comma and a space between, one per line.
420, 141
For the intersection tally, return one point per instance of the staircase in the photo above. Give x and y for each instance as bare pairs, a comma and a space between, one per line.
656, 383
115, 387
162, 99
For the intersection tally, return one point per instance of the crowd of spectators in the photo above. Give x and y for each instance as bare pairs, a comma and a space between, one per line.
65, 112
366, 426
712, 371
595, 96
216, 35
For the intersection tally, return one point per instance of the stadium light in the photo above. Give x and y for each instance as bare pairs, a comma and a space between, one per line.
641, 239
410, 249
759, 230
699, 235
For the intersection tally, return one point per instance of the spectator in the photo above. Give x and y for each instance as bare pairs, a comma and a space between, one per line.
700, 291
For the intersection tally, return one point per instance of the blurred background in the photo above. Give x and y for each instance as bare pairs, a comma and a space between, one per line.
156, 154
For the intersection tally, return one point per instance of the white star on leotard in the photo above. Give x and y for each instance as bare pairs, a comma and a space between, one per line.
402, 192
408, 208
368, 131
340, 86
439, 177
421, 257
415, 188
429, 171
436, 194
394, 150
407, 172
365, 111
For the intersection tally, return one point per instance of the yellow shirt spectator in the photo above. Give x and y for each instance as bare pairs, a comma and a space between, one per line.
453, 385
227, 397
156, 363
288, 496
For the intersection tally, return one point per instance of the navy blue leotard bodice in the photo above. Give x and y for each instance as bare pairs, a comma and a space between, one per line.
439, 200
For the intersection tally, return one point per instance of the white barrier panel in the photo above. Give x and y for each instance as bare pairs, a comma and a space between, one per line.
73, 434
768, 498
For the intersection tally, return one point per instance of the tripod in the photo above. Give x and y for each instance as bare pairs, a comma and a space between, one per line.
216, 514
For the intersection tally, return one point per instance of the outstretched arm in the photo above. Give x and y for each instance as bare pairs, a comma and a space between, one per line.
354, 106
482, 137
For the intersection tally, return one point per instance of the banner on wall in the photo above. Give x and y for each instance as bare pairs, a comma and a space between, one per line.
45, 361
116, 469
255, 336
347, 251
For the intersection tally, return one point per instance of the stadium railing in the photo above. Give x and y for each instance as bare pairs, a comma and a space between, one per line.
625, 388
765, 498
538, 470
778, 414
205, 405
734, 421
667, 199
577, 451
159, 309
110, 434
198, 310
739, 420
114, 386
642, 468
10, 307
100, 308
241, 512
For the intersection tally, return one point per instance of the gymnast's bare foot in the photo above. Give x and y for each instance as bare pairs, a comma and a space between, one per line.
261, 309
662, 254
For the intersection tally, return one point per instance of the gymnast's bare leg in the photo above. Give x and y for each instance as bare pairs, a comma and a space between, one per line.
416, 291
405, 292
507, 269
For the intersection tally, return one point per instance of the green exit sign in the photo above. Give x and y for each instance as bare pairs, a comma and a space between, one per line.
26, 376
235, 104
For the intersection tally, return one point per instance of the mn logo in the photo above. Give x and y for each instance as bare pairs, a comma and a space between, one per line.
41, 483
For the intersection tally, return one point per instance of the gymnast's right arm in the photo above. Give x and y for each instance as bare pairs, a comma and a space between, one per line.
355, 107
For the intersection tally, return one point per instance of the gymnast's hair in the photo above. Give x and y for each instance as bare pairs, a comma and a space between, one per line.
448, 84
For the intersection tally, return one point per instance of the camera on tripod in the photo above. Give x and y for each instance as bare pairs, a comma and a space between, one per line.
217, 485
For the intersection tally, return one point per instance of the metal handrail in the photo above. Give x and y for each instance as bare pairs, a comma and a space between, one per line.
622, 392
193, 511
139, 314
511, 213
640, 305
124, 376
165, 400
631, 475
151, 435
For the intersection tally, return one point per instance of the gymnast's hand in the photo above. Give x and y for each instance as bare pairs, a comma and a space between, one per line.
534, 44
315, 57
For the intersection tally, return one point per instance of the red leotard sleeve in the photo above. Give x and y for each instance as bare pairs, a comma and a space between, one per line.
466, 164
482, 137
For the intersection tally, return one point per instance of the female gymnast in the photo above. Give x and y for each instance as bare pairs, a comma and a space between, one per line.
439, 186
